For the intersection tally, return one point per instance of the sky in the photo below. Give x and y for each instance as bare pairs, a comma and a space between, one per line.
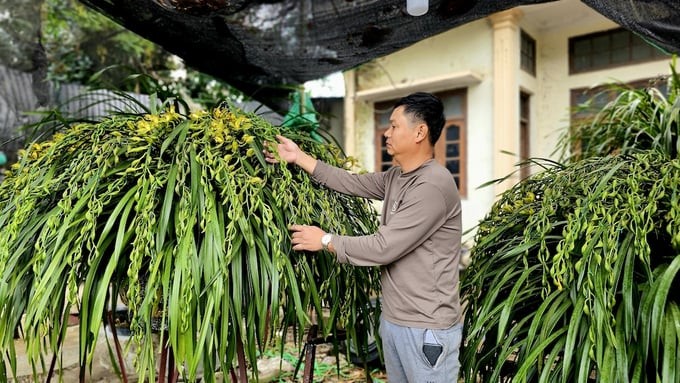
332, 85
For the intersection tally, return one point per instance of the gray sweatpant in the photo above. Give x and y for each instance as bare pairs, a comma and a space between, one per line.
418, 355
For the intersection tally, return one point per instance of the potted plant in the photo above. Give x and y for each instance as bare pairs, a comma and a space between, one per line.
575, 270
182, 216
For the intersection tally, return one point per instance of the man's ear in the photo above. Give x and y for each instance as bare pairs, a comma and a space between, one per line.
421, 133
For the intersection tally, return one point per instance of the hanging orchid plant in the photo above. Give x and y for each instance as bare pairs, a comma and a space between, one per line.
182, 217
575, 271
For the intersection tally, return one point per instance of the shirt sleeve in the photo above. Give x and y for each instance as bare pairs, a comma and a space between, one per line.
418, 216
368, 185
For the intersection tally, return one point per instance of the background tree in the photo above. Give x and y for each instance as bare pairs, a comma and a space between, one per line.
21, 55
46, 44
19, 31
79, 43
84, 46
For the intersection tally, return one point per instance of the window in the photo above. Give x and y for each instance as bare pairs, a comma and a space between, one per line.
524, 133
528, 54
608, 49
586, 102
383, 160
449, 152
450, 148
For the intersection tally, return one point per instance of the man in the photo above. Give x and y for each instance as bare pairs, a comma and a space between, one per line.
417, 244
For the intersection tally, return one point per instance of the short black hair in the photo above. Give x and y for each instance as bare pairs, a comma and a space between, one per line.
428, 108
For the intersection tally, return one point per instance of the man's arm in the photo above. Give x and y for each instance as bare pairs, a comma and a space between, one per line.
305, 161
309, 237
370, 185
416, 219
367, 185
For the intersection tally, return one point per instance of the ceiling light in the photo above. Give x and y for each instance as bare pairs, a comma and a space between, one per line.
416, 7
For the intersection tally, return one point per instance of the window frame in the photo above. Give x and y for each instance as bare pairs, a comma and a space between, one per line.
577, 116
524, 133
633, 42
605, 91
525, 57
440, 152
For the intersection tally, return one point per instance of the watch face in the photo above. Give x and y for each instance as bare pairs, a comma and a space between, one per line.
326, 239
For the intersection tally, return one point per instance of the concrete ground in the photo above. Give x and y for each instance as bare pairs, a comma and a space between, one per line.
272, 368
103, 369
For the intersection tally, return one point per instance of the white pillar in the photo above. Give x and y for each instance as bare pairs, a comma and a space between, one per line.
506, 62
349, 137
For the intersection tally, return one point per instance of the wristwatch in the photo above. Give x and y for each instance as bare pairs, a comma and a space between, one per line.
326, 240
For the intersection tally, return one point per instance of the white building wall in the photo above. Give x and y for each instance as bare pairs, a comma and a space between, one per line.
480, 155
552, 30
464, 57
455, 53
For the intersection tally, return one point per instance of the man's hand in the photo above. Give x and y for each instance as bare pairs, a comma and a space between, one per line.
290, 152
287, 149
306, 237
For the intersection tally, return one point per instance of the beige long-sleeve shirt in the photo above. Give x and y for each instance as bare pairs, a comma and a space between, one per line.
417, 244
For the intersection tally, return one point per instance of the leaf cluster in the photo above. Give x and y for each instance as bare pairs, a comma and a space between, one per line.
635, 120
575, 270
573, 273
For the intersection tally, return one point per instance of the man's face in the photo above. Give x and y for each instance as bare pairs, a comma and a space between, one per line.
401, 135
